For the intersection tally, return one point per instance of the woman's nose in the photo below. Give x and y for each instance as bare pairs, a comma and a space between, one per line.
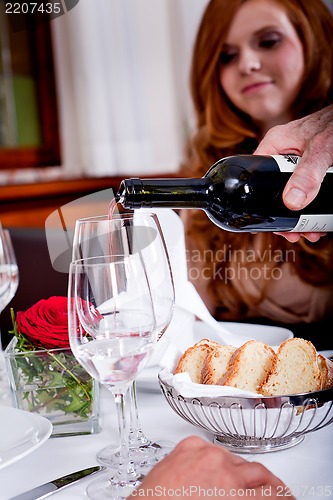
249, 61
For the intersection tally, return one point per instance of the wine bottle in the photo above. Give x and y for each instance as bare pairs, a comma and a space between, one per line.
238, 193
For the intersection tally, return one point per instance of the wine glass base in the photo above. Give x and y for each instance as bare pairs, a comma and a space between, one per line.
109, 456
109, 486
143, 456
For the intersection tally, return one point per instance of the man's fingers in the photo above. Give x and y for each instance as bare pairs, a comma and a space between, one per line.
255, 475
293, 237
304, 184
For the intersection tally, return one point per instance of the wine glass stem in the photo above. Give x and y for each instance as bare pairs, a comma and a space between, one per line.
136, 437
126, 467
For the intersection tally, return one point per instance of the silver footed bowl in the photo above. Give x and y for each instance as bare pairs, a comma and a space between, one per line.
254, 425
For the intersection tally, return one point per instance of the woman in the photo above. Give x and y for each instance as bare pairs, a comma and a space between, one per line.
257, 64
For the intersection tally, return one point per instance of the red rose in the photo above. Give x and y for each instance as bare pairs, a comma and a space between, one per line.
45, 324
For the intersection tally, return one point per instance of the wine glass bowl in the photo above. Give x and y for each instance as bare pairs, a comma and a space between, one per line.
112, 331
131, 233
115, 318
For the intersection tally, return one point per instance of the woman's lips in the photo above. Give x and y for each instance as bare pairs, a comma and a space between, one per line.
255, 87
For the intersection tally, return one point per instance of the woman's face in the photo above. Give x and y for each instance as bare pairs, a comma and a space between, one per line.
262, 63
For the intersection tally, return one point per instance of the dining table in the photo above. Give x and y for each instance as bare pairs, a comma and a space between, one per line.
307, 468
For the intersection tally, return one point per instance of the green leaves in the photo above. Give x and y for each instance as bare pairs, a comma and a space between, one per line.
56, 382
50, 381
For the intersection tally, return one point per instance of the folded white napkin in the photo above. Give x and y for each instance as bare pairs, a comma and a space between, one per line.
184, 386
177, 338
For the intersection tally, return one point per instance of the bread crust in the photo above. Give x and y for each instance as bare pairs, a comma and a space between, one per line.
326, 368
192, 361
245, 374
216, 364
295, 370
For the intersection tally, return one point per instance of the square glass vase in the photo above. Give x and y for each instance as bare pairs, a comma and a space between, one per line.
53, 384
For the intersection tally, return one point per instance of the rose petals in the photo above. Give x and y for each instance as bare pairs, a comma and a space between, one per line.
45, 324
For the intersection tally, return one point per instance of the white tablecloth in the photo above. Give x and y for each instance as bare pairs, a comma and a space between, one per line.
306, 468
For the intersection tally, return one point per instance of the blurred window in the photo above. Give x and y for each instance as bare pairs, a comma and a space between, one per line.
28, 107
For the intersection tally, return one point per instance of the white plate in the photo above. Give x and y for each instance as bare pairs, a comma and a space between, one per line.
21, 433
272, 335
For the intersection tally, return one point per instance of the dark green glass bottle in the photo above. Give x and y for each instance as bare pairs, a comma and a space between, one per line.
238, 193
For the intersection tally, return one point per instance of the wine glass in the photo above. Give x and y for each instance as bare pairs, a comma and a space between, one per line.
112, 330
8, 287
141, 234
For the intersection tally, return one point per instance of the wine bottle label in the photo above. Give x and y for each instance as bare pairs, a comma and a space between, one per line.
287, 163
314, 223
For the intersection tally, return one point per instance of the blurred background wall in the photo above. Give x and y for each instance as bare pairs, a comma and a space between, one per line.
121, 74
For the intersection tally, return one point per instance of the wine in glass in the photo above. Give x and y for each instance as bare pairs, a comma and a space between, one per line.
112, 330
134, 233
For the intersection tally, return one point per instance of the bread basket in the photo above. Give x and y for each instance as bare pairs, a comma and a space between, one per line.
254, 424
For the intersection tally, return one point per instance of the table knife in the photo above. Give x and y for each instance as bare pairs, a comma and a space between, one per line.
47, 489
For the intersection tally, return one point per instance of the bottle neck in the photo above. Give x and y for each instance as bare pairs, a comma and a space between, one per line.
173, 193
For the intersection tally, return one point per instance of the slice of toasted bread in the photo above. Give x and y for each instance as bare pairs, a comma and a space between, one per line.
295, 370
249, 366
321, 360
216, 364
326, 368
193, 359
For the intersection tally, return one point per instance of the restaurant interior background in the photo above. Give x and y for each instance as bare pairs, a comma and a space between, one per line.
95, 95
99, 92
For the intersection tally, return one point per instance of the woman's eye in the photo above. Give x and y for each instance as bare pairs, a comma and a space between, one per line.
227, 57
268, 43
